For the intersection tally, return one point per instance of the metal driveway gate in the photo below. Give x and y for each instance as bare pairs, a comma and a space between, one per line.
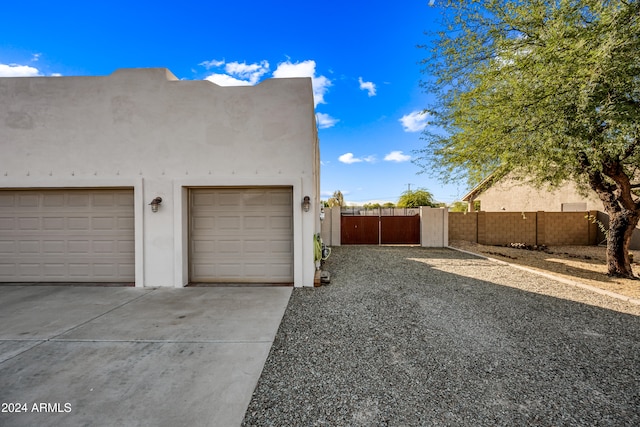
379, 229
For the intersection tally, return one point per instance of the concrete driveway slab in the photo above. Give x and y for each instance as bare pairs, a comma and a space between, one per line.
192, 315
43, 312
135, 357
132, 384
9, 349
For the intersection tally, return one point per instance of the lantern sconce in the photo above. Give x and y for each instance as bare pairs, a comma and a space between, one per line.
321, 214
155, 203
306, 203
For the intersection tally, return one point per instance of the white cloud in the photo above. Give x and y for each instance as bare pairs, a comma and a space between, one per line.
415, 121
368, 86
15, 70
237, 74
397, 156
349, 158
212, 64
243, 74
325, 121
248, 72
227, 80
305, 69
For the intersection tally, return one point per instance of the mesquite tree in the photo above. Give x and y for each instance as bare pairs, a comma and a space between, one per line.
548, 90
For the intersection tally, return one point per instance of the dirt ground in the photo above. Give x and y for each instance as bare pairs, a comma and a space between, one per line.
584, 264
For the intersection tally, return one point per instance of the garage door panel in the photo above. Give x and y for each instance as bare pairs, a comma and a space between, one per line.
28, 223
280, 199
103, 200
222, 223
55, 271
228, 199
78, 223
255, 246
56, 200
105, 269
255, 199
280, 223
28, 201
201, 223
237, 234
79, 200
104, 247
7, 200
7, 247
67, 235
125, 223
229, 247
27, 247
229, 270
78, 246
103, 223
7, 271
55, 223
126, 247
255, 223
81, 270
280, 270
281, 247
127, 269
57, 247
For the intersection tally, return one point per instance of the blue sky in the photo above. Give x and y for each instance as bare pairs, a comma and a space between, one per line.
362, 57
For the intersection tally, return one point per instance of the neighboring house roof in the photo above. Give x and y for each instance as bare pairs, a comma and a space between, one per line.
484, 185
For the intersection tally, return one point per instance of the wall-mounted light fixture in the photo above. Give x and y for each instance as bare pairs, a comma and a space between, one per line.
306, 203
321, 214
155, 203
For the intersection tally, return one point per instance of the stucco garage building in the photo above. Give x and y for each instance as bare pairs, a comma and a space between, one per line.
84, 157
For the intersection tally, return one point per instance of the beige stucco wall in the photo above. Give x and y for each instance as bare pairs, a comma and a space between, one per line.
516, 196
144, 128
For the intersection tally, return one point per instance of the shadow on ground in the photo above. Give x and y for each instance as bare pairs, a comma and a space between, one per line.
410, 336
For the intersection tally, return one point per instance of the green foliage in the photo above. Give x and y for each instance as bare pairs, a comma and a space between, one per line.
459, 207
389, 205
370, 206
594, 220
336, 200
550, 90
415, 198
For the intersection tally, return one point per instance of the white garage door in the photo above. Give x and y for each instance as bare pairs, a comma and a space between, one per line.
241, 235
67, 236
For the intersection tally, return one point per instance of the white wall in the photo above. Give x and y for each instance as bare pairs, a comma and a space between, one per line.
145, 129
434, 227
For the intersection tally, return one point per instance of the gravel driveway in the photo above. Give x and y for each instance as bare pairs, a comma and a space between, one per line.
407, 336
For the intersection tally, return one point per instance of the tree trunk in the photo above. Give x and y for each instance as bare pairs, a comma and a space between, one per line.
621, 227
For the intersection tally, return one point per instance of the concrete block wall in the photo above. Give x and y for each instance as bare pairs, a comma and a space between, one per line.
566, 228
501, 228
496, 228
463, 226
